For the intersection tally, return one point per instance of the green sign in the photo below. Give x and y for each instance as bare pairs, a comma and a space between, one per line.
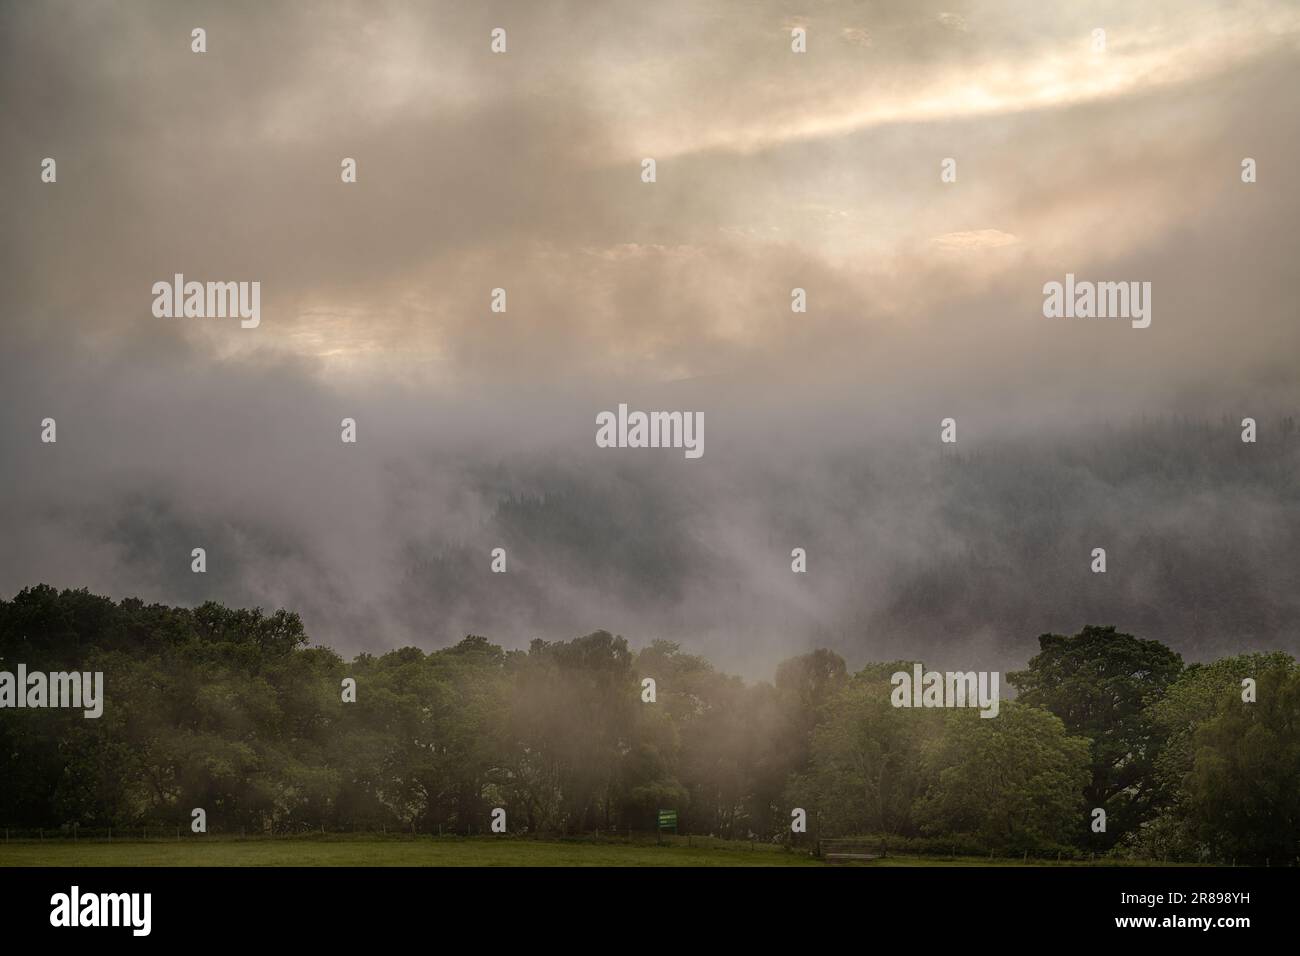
667, 819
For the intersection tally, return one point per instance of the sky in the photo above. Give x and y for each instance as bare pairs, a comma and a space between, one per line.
774, 170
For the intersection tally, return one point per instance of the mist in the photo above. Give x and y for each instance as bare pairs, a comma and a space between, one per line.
476, 429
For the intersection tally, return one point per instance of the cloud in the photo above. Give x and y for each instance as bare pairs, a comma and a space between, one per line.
776, 170
975, 239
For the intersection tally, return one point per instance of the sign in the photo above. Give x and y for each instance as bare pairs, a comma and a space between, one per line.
667, 819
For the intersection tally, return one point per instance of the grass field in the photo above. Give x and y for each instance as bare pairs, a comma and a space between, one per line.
427, 851
430, 851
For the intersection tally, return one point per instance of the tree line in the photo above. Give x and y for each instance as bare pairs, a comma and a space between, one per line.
233, 711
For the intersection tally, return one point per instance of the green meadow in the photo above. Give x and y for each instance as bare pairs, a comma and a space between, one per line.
438, 851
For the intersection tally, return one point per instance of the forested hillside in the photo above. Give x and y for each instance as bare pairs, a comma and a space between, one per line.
233, 711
